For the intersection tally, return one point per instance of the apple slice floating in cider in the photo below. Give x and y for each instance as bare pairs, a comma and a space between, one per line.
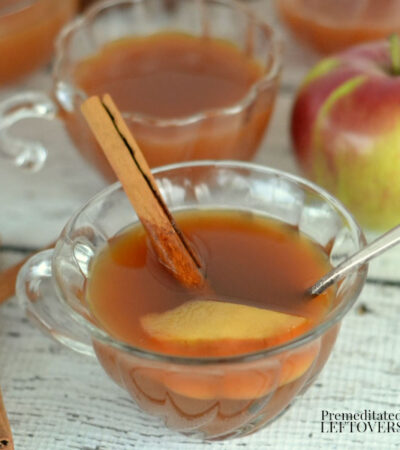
212, 323
217, 328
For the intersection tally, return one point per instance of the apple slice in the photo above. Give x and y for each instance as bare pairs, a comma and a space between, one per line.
215, 328
211, 322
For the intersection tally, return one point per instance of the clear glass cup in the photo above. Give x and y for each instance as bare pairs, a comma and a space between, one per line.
194, 395
328, 26
262, 8
232, 132
27, 32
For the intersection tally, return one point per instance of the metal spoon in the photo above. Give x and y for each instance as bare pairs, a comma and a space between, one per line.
375, 248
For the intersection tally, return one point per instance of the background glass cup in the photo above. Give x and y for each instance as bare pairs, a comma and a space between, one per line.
27, 32
328, 26
85, 3
233, 132
195, 395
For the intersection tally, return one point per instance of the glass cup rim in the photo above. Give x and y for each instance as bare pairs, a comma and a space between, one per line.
332, 317
16, 7
269, 78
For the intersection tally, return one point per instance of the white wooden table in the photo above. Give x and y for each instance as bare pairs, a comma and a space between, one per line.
58, 400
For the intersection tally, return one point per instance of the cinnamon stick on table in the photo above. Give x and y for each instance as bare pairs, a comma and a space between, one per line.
6, 441
132, 170
8, 278
7, 281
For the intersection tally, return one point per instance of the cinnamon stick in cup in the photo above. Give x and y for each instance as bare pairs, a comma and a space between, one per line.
131, 168
6, 441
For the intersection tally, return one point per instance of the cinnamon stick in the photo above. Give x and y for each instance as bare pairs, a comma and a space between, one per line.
131, 168
6, 440
7, 281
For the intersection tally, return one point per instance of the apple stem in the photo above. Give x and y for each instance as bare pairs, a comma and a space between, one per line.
395, 53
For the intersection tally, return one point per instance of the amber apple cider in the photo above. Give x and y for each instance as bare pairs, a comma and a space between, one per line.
332, 25
27, 33
258, 270
174, 77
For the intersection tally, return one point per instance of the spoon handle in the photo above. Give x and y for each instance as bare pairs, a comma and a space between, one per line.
380, 245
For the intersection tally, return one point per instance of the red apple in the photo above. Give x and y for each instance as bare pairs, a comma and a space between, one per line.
345, 128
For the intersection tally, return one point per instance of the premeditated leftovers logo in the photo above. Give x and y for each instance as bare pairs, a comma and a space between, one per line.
366, 421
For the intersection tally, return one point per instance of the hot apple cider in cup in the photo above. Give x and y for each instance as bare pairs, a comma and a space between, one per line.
193, 79
332, 25
174, 78
258, 270
191, 356
27, 32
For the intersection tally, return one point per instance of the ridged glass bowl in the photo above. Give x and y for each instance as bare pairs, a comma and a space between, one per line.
211, 398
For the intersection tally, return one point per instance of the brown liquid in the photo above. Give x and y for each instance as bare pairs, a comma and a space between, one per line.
27, 33
169, 75
330, 25
173, 75
249, 260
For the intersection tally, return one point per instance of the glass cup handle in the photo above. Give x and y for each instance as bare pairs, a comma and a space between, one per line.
26, 105
38, 297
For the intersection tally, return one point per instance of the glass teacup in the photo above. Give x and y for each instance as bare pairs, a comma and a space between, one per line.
231, 132
194, 395
328, 26
27, 31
